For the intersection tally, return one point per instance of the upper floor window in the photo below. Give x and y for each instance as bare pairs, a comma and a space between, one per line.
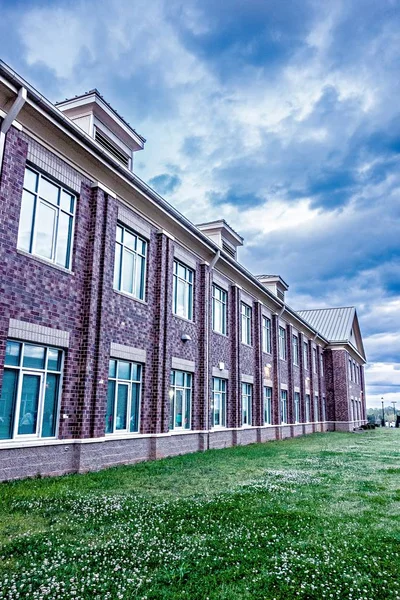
246, 324
267, 405
47, 219
123, 397
183, 291
282, 343
350, 370
30, 392
219, 298
305, 355
247, 394
130, 263
180, 395
284, 406
219, 402
297, 407
315, 360
321, 363
295, 350
266, 334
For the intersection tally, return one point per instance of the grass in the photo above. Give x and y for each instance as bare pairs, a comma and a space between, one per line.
316, 517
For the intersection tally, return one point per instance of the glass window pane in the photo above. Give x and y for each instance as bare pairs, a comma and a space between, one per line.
178, 408
33, 356
29, 404
187, 408
128, 270
30, 180
50, 406
129, 240
13, 353
181, 271
124, 370
67, 201
171, 408
136, 372
54, 359
119, 234
117, 267
181, 306
139, 278
110, 406
135, 407
179, 378
7, 403
49, 191
45, 223
112, 368
122, 406
64, 236
26, 221
217, 408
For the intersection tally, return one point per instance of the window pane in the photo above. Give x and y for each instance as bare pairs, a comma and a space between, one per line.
171, 408
178, 408
179, 378
67, 201
29, 404
30, 180
128, 271
64, 235
7, 403
139, 279
34, 357
49, 191
217, 408
129, 240
45, 223
135, 407
181, 271
53, 359
124, 370
117, 267
26, 221
181, 306
13, 354
50, 406
110, 406
112, 368
122, 406
136, 372
119, 234
187, 409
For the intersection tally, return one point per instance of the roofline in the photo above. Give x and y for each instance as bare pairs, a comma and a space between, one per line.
225, 224
348, 343
94, 147
326, 308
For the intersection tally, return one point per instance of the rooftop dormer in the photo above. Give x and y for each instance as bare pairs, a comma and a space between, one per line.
223, 235
99, 120
275, 284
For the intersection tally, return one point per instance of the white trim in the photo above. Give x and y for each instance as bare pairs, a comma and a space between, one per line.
182, 364
98, 184
247, 379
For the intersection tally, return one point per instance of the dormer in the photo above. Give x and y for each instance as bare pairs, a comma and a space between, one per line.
99, 120
275, 284
223, 235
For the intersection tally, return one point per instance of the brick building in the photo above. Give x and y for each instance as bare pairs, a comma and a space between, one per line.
126, 332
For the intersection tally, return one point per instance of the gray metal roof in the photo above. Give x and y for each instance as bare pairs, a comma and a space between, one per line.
333, 323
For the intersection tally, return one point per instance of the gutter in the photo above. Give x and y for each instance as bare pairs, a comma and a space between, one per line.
9, 119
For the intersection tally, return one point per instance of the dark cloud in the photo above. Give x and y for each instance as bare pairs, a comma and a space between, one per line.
165, 184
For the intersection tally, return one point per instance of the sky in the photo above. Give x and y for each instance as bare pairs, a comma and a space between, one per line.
280, 116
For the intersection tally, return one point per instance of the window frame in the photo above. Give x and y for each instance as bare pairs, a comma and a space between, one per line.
223, 393
284, 407
189, 290
123, 250
307, 408
296, 354
315, 360
247, 396
267, 402
297, 402
129, 383
246, 324
316, 408
266, 334
172, 397
223, 302
306, 362
38, 199
282, 342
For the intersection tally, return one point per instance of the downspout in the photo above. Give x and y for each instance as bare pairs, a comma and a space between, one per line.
9, 119
207, 339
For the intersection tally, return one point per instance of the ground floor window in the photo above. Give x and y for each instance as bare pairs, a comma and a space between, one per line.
219, 402
316, 411
323, 408
247, 394
284, 406
267, 405
297, 407
30, 392
307, 407
123, 399
180, 395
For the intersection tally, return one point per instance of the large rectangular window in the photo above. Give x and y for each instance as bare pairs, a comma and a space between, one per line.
297, 407
123, 398
307, 408
47, 219
284, 406
130, 263
321, 363
315, 360
323, 408
316, 411
305, 355
219, 320
295, 350
247, 394
183, 291
282, 343
266, 335
180, 395
246, 323
267, 405
219, 402
30, 393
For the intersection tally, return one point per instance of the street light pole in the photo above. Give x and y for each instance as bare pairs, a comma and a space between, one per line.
383, 414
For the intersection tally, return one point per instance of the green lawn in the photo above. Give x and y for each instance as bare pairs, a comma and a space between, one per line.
313, 517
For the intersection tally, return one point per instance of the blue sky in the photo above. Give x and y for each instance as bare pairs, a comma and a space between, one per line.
281, 117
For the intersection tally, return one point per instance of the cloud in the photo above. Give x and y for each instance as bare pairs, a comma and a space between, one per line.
165, 184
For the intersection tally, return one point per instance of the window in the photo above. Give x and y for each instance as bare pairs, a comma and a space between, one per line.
266, 335
267, 405
321, 358
282, 343
316, 411
31, 390
219, 310
305, 355
219, 402
123, 398
246, 324
247, 393
130, 263
297, 407
307, 415
183, 291
323, 408
284, 406
315, 360
295, 350
46, 220
350, 370
180, 395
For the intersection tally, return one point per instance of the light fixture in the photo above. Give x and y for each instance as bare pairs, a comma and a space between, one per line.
221, 366
185, 337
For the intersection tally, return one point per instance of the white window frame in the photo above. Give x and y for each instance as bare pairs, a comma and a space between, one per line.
282, 342
129, 383
307, 409
297, 407
139, 263
187, 282
186, 388
321, 362
323, 408
315, 359
316, 408
267, 405
295, 346
58, 210
305, 355
246, 317
219, 389
219, 298
284, 407
266, 334
247, 398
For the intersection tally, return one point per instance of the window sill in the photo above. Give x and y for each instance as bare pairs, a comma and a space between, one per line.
126, 295
183, 319
266, 352
43, 261
246, 345
224, 335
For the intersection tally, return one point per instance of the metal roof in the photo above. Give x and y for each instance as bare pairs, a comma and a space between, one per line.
333, 323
